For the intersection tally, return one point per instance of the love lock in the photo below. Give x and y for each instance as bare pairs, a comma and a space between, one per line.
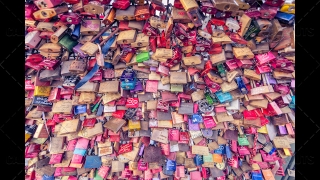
130, 113
207, 133
205, 107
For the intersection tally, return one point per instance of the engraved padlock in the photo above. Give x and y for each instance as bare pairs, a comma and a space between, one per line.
205, 107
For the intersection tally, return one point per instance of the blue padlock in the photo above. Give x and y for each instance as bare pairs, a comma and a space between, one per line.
220, 150
167, 172
128, 85
79, 109
256, 176
46, 177
292, 104
198, 160
228, 152
223, 97
128, 75
171, 165
242, 87
76, 32
196, 119
285, 18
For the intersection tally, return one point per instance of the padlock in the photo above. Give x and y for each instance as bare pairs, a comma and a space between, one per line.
196, 16
268, 12
180, 16
121, 4
285, 18
253, 30
288, 8
50, 12
41, 4
253, 13
226, 5
70, 18
142, 12
205, 107
275, 3
207, 7
162, 106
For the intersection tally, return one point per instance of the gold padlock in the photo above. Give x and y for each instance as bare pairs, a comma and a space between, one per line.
134, 125
189, 4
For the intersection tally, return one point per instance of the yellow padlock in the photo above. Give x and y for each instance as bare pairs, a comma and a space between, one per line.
42, 91
134, 125
288, 8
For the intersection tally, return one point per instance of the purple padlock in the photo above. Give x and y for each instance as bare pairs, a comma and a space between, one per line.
283, 130
193, 127
141, 150
78, 51
270, 79
138, 88
154, 69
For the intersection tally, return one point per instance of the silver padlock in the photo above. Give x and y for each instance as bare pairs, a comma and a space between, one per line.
205, 107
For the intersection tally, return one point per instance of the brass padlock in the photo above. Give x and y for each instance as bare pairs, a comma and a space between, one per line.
46, 26
180, 16
178, 78
126, 37
226, 5
191, 60
189, 4
78, 66
141, 40
50, 48
276, 31
56, 36
157, 22
94, 7
242, 53
90, 27
245, 23
126, 15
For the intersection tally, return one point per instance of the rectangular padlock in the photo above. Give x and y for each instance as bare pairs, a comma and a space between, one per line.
50, 12
253, 30
32, 39
121, 4
142, 12
195, 16
94, 7
127, 14
180, 16
90, 27
189, 4
126, 37
229, 5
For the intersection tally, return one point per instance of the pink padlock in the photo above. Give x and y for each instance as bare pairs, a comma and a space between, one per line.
264, 58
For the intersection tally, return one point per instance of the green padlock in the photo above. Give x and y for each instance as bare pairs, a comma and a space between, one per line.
144, 56
221, 70
208, 98
68, 42
243, 141
176, 88
208, 158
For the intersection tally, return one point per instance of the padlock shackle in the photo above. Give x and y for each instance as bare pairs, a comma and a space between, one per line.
109, 37
101, 32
